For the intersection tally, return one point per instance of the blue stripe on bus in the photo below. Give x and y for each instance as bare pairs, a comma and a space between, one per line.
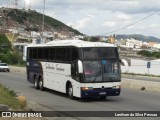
96, 92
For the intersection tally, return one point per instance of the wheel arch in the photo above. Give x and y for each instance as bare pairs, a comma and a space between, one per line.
40, 77
34, 77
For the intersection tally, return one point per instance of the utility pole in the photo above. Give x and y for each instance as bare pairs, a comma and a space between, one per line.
43, 17
16, 4
24, 5
43, 21
30, 4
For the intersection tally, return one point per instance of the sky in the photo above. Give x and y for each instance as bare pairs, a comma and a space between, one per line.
100, 17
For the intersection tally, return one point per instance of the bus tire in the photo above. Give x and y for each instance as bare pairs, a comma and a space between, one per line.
41, 84
70, 91
103, 97
36, 83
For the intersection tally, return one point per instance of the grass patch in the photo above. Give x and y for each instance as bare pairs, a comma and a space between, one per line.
7, 97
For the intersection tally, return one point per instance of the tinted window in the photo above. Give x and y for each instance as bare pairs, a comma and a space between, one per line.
46, 53
91, 53
52, 53
62, 54
74, 54
29, 51
109, 52
74, 70
92, 71
34, 53
59, 54
40, 53
3, 64
105, 52
67, 54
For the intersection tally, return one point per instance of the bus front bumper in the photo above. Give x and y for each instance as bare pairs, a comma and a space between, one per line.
99, 92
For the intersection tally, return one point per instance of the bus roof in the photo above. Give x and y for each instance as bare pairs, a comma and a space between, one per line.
76, 43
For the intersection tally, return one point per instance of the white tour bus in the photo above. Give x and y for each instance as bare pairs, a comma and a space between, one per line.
77, 68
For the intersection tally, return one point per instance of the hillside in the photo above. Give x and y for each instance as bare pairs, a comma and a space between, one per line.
32, 20
138, 37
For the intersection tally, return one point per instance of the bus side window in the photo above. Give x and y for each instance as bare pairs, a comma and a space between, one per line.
46, 54
74, 54
74, 71
52, 54
67, 54
40, 53
29, 51
59, 54
35, 53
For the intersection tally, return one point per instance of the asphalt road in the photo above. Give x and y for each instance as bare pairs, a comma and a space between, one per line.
129, 100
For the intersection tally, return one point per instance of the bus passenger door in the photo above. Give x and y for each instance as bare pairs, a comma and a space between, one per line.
76, 79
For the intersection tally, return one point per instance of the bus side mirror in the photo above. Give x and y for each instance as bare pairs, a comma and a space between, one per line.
24, 53
80, 67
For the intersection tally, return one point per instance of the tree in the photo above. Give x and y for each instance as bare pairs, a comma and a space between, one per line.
149, 54
94, 39
5, 44
9, 55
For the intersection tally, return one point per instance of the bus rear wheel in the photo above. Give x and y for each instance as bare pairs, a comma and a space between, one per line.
70, 91
36, 83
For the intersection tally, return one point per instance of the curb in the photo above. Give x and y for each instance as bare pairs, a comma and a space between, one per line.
33, 106
18, 69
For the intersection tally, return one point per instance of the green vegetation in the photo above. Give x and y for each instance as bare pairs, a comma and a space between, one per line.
33, 20
7, 97
94, 39
8, 54
91, 38
5, 44
149, 54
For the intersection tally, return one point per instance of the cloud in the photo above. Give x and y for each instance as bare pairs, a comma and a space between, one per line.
123, 16
81, 24
118, 19
126, 6
154, 27
109, 23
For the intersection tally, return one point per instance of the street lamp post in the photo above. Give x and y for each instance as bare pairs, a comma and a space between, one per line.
43, 20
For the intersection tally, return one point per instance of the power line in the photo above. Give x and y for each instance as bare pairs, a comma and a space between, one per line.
133, 22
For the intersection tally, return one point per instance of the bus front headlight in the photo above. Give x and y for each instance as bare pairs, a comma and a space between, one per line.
117, 86
86, 88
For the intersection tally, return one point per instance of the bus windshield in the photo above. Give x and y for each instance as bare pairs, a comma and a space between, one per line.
101, 71
98, 53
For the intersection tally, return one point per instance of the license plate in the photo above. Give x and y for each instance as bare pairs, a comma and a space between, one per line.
102, 93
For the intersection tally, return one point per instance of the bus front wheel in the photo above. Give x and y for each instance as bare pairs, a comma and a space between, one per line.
103, 97
70, 91
41, 84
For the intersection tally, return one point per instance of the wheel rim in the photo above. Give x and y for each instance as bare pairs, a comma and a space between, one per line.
70, 91
40, 84
35, 83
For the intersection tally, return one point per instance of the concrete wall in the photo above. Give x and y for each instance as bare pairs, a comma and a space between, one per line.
140, 67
